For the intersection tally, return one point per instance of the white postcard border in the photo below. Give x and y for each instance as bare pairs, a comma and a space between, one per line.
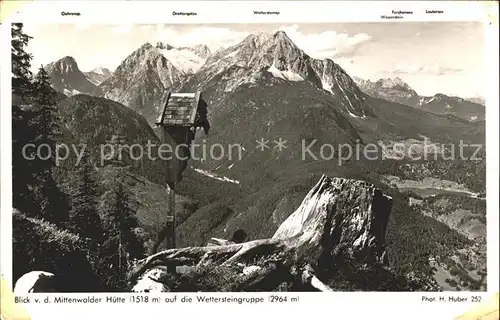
358, 304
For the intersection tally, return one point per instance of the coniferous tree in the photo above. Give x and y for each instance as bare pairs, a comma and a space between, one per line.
44, 93
84, 218
122, 244
119, 153
35, 191
22, 133
54, 203
48, 122
36, 123
23, 179
21, 61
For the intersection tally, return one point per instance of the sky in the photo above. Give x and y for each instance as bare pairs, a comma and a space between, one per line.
432, 57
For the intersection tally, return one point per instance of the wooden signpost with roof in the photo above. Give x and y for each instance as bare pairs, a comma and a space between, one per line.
181, 114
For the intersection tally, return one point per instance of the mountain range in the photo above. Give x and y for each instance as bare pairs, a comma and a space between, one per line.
145, 73
266, 87
396, 90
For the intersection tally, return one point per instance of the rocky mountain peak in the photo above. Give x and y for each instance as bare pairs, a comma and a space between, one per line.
393, 83
440, 96
68, 60
66, 77
140, 80
265, 58
141, 54
277, 40
161, 45
144, 48
391, 89
280, 34
64, 65
148, 59
266, 43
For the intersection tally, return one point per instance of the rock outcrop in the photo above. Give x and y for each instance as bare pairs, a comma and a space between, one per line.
338, 219
341, 216
36, 281
151, 282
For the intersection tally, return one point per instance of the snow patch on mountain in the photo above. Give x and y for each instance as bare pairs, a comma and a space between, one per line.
350, 103
326, 86
72, 92
285, 75
232, 54
98, 75
183, 59
216, 177
102, 71
187, 60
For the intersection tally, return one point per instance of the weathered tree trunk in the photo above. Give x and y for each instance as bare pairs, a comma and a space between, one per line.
338, 217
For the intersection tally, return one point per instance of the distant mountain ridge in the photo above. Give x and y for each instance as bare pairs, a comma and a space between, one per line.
98, 75
443, 104
391, 89
260, 59
478, 100
396, 90
137, 82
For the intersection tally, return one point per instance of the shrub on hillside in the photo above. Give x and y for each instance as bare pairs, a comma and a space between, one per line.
40, 245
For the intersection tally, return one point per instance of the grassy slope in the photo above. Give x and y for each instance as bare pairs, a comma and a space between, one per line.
68, 257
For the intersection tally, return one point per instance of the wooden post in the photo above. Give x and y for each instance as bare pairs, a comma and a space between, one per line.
173, 214
171, 226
